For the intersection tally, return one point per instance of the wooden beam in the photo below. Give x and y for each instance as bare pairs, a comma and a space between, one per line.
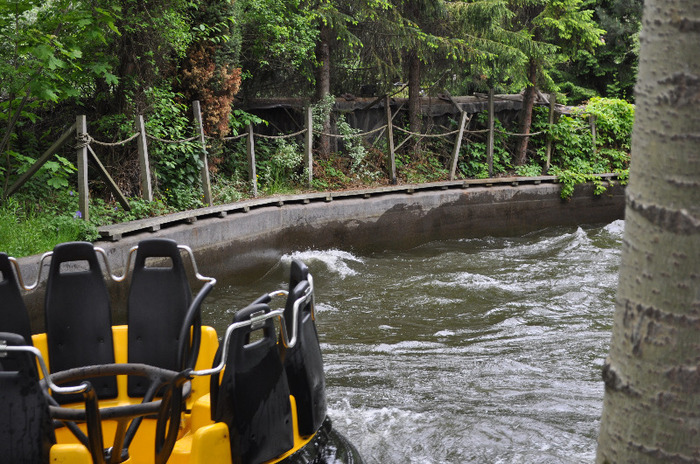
390, 139
552, 109
204, 170
250, 149
144, 164
489, 147
458, 144
42, 159
82, 153
110, 182
309, 141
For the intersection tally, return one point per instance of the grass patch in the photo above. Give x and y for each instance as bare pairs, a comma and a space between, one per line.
26, 230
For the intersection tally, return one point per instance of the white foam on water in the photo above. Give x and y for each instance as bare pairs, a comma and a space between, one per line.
615, 228
335, 260
325, 308
406, 347
469, 280
444, 333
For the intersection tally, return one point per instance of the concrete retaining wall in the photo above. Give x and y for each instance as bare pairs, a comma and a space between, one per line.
249, 242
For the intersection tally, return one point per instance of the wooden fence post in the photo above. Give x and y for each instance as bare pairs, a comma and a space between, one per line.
144, 164
82, 152
309, 140
252, 174
592, 121
390, 139
458, 145
552, 103
489, 147
204, 171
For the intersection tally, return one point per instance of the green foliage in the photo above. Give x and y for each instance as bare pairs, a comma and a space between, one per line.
475, 164
355, 149
183, 198
227, 189
177, 165
239, 121
279, 165
279, 38
614, 120
50, 52
573, 158
529, 170
427, 169
26, 228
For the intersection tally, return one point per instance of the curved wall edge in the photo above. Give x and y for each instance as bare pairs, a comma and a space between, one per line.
249, 242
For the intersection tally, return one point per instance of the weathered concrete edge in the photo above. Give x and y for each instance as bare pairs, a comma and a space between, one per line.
243, 242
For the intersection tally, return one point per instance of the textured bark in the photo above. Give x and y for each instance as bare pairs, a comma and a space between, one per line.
651, 410
414, 96
526, 121
414, 113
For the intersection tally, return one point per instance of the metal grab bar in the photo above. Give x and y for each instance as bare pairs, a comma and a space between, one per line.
116, 278
129, 259
5, 348
259, 318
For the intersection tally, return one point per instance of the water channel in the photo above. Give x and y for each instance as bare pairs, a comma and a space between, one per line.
481, 350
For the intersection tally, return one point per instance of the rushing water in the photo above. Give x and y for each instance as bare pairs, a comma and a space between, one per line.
478, 350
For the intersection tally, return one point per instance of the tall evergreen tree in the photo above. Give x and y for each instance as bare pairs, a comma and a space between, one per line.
549, 31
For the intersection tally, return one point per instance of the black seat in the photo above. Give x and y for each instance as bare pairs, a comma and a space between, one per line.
78, 315
158, 304
26, 430
14, 317
302, 362
253, 397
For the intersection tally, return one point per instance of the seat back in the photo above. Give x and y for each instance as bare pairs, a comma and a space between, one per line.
78, 315
253, 397
26, 429
303, 363
159, 297
14, 317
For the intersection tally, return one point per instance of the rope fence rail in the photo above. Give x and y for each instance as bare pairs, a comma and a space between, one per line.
83, 142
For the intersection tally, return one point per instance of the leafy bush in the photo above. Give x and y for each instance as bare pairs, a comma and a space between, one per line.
574, 159
176, 165
475, 164
279, 166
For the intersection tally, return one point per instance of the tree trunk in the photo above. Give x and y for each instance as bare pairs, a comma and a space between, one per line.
526, 121
652, 373
414, 96
323, 87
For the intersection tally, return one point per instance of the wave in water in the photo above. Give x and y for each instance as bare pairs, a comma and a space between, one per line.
336, 261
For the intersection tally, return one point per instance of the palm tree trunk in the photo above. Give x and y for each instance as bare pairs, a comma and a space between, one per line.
652, 373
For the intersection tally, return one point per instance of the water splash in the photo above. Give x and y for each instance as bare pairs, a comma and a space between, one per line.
336, 261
